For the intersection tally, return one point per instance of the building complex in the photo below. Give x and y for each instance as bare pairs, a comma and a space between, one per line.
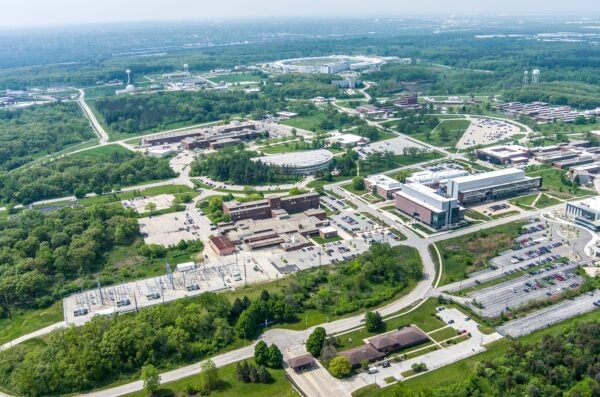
585, 212
304, 163
203, 135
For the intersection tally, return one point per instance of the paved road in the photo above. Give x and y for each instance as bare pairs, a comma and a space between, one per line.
98, 129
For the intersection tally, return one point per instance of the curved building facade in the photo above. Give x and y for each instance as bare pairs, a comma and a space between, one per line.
306, 162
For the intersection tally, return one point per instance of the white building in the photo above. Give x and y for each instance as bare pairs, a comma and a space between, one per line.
428, 206
382, 185
348, 140
436, 177
585, 212
492, 185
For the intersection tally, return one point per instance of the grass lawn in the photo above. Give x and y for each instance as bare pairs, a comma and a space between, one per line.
351, 189
105, 150
410, 160
443, 334
424, 317
465, 254
367, 390
228, 385
525, 202
288, 147
320, 240
476, 215
460, 370
319, 183
454, 128
546, 201
553, 183
505, 214
26, 321
308, 123
176, 190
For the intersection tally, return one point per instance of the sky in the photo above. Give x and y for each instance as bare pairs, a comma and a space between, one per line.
14, 13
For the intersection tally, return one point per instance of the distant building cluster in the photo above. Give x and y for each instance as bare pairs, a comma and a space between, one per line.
203, 137
541, 111
436, 196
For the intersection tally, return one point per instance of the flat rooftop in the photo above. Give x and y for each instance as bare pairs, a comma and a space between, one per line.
487, 175
592, 203
298, 159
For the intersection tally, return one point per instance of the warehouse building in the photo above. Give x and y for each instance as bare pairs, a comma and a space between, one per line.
222, 245
436, 178
428, 206
492, 185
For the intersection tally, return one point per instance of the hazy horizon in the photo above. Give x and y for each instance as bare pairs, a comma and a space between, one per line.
70, 12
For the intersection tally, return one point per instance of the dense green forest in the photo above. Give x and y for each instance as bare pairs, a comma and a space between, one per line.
236, 166
303, 86
80, 174
567, 365
38, 130
40, 255
106, 349
157, 111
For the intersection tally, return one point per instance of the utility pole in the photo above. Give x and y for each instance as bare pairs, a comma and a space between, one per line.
100, 290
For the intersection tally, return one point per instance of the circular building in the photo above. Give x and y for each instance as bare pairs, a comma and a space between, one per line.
306, 162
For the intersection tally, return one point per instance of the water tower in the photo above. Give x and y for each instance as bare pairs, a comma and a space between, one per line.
525, 77
128, 76
186, 69
535, 77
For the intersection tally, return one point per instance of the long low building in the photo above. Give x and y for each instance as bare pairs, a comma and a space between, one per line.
267, 208
504, 154
178, 136
492, 185
305, 162
382, 185
428, 206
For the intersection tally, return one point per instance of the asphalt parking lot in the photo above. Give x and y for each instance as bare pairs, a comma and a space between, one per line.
395, 145
520, 291
539, 247
169, 229
550, 315
352, 222
329, 253
333, 203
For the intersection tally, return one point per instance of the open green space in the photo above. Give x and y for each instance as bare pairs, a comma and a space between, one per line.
320, 240
443, 334
525, 202
468, 253
476, 215
424, 317
556, 183
505, 214
176, 190
308, 123
458, 371
229, 385
105, 150
546, 201
26, 321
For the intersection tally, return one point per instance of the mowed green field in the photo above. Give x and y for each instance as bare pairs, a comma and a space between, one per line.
106, 150
228, 385
308, 123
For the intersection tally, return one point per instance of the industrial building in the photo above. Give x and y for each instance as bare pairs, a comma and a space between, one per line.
348, 82
541, 111
505, 154
267, 208
305, 162
222, 245
492, 185
409, 101
214, 133
290, 232
585, 212
382, 185
428, 206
